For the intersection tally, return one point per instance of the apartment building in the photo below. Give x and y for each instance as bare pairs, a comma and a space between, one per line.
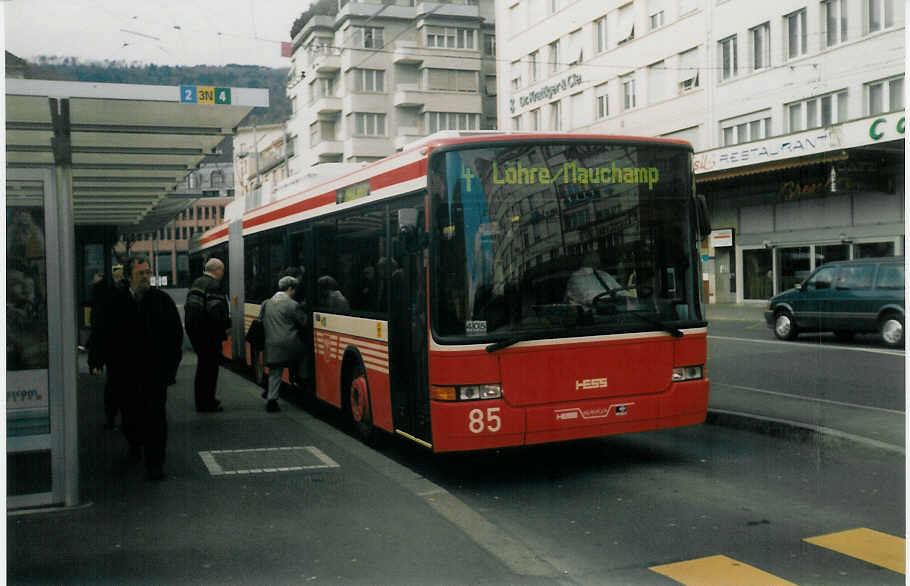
261, 155
213, 186
794, 109
380, 74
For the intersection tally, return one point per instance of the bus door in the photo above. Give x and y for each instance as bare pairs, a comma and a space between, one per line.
408, 326
302, 256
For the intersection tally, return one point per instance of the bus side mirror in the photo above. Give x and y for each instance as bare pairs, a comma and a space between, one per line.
702, 216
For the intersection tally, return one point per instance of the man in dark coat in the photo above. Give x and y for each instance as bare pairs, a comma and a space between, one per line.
142, 346
101, 295
207, 323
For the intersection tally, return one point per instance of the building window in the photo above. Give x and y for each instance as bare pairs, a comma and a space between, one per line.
728, 58
760, 38
437, 121
367, 37
626, 24
369, 124
577, 111
880, 15
602, 100
818, 111
489, 45
655, 14
183, 232
554, 56
533, 74
535, 119
216, 178
450, 37
688, 70
556, 115
369, 80
600, 35
575, 47
886, 95
745, 130
687, 6
452, 80
834, 19
795, 27
490, 85
322, 87
657, 82
516, 75
628, 91
516, 122
314, 134
553, 6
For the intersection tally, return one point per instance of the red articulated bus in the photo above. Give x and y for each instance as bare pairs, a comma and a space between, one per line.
481, 290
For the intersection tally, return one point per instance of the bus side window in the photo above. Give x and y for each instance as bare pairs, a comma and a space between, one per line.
361, 238
326, 264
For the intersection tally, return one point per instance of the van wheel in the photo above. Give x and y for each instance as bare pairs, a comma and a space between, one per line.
784, 326
844, 335
892, 331
361, 412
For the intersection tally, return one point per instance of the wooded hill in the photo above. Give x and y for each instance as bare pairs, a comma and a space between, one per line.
231, 75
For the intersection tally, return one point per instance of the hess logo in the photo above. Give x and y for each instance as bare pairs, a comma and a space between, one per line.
590, 384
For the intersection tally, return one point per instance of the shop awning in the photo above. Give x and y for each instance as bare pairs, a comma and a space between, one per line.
776, 166
129, 145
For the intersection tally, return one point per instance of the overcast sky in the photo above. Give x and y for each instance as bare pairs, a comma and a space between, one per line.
166, 32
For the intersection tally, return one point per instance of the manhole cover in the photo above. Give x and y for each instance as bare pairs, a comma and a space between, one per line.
265, 460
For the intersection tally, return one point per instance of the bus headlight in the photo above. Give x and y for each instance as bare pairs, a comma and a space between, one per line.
465, 392
684, 373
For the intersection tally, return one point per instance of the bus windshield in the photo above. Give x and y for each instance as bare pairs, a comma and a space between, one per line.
562, 240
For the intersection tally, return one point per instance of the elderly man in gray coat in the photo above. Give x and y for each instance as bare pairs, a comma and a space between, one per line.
283, 319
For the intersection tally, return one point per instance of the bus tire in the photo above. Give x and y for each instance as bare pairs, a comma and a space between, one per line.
358, 394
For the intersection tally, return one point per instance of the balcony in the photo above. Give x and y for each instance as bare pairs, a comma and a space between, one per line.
328, 149
407, 53
327, 63
406, 135
408, 96
437, 9
326, 105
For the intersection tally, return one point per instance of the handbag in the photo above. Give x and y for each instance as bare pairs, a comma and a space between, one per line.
256, 334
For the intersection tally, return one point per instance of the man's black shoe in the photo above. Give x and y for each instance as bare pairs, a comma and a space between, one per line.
272, 406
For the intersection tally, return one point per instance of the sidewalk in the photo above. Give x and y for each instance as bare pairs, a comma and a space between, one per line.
733, 311
250, 498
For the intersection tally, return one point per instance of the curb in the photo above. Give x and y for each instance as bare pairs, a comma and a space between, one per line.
792, 429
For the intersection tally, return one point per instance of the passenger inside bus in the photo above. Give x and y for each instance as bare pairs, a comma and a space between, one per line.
330, 296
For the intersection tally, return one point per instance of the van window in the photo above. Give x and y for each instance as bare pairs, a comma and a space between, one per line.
823, 278
856, 277
890, 277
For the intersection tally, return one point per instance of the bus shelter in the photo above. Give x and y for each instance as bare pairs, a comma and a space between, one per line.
79, 156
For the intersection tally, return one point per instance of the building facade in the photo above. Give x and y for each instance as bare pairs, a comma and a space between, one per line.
794, 109
166, 248
261, 161
379, 75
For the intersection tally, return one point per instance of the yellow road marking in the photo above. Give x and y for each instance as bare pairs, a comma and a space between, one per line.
868, 545
718, 570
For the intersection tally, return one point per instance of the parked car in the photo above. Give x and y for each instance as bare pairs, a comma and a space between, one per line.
844, 297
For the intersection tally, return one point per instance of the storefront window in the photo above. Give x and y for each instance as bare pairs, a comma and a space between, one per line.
757, 274
793, 266
873, 249
830, 253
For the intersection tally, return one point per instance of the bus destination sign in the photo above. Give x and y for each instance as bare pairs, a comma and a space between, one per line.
352, 192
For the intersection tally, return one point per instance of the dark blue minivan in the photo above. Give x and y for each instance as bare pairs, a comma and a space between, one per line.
845, 297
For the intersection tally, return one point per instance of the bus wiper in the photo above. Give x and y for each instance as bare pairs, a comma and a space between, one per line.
612, 294
504, 343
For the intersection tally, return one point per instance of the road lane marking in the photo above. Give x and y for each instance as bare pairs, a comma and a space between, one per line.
718, 570
875, 547
814, 346
814, 399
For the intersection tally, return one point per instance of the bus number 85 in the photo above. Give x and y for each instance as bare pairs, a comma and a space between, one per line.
477, 422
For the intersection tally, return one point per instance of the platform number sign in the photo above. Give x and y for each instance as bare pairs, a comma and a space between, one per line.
191, 94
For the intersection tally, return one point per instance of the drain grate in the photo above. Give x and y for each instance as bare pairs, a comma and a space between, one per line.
265, 460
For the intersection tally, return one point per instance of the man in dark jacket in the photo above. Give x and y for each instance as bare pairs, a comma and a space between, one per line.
207, 323
142, 347
101, 295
